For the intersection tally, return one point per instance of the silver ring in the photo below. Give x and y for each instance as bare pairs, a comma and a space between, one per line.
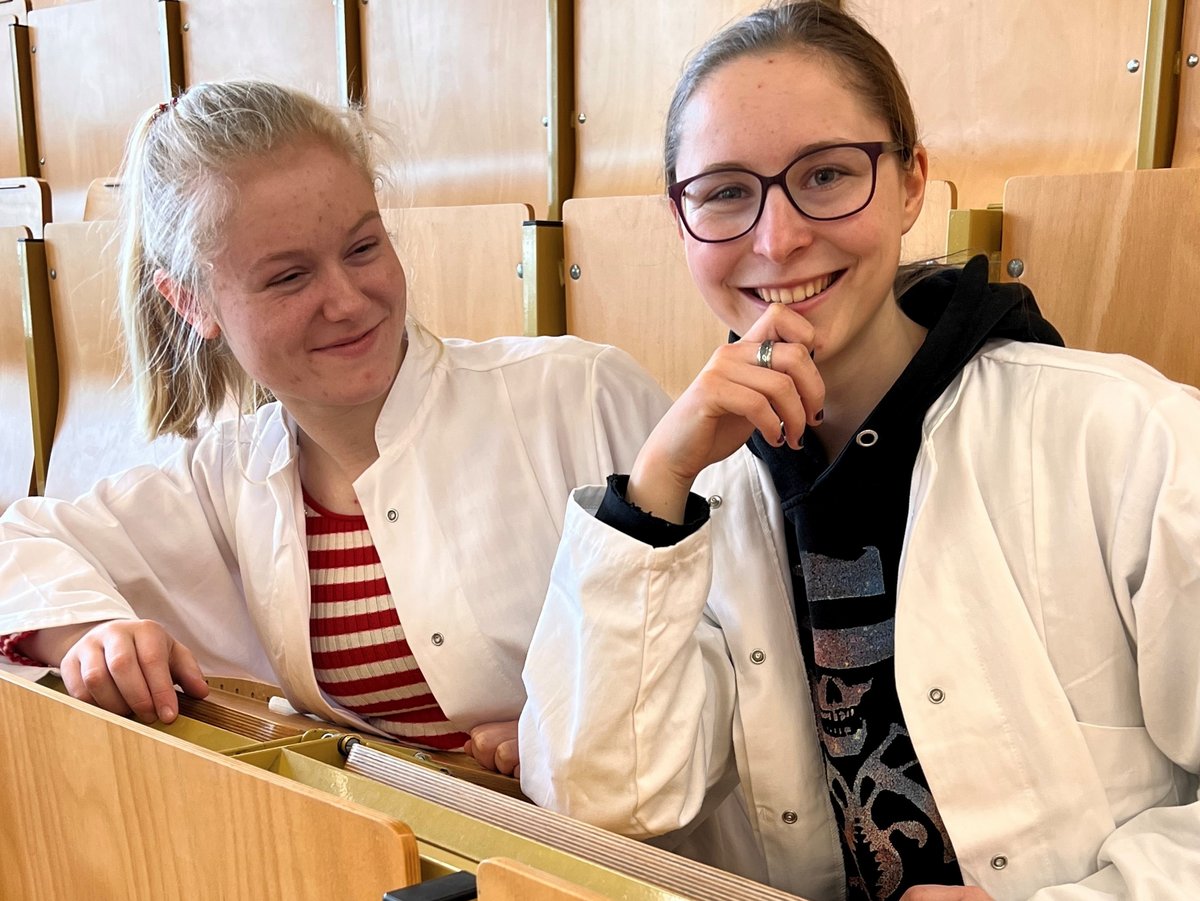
763, 357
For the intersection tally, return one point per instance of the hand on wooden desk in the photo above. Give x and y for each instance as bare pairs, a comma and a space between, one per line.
131, 666
945, 893
494, 745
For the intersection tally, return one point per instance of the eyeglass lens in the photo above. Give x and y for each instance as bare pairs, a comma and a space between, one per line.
825, 184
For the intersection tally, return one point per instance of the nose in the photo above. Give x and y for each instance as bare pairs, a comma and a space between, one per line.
344, 296
781, 230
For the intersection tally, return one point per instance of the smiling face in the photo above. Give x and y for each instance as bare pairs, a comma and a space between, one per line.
759, 113
307, 288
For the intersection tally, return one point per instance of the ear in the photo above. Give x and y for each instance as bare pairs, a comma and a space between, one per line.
187, 306
913, 181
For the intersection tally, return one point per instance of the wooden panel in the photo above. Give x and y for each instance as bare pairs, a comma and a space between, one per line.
97, 433
17, 9
637, 294
101, 807
1017, 88
1187, 135
103, 200
16, 437
462, 88
461, 265
1111, 259
624, 77
501, 879
24, 201
10, 130
292, 42
926, 240
98, 67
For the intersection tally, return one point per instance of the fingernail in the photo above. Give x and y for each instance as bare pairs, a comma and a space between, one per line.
820, 417
166, 714
782, 434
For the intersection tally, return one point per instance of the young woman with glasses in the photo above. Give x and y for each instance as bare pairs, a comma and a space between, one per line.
937, 617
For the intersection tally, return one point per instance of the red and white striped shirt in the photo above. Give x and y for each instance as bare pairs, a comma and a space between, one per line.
360, 655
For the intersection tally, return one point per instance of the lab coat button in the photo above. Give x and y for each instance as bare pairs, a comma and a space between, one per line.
936, 696
392, 515
757, 655
999, 862
789, 817
438, 639
714, 502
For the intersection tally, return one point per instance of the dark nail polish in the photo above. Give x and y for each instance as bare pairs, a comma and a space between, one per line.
820, 417
812, 353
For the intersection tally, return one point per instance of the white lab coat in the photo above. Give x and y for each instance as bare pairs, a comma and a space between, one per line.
1049, 589
480, 445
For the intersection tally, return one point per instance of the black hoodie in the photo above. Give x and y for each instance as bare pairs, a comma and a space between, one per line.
846, 530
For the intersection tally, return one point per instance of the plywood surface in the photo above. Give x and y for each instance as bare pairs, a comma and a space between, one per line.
16, 437
1187, 135
1112, 261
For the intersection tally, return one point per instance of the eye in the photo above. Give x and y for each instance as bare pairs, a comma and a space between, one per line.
719, 192
285, 278
824, 177
365, 247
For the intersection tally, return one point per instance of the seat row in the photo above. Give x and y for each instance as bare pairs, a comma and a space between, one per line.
537, 101
1109, 256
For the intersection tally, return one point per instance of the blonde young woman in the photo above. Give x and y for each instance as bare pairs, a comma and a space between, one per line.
376, 539
941, 627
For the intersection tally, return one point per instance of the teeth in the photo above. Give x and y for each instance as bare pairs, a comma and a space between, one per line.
797, 293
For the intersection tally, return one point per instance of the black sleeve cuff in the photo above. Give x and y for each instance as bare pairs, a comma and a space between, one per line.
645, 527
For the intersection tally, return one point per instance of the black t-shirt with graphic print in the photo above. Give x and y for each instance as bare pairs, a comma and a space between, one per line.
846, 528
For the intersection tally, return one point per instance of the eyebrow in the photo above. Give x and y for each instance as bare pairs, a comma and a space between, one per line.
287, 254
800, 151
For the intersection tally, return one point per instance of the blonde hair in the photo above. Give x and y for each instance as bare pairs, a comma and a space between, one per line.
176, 190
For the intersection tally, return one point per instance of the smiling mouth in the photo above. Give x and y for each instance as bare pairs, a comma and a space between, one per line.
798, 293
349, 341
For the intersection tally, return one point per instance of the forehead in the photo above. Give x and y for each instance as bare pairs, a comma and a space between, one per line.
292, 194
760, 111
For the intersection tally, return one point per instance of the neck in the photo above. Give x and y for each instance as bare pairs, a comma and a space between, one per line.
858, 378
334, 451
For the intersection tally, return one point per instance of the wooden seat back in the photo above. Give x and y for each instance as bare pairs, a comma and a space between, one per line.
16, 437
1187, 131
1112, 261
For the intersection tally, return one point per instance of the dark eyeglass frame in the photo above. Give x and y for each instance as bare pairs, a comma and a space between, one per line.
873, 149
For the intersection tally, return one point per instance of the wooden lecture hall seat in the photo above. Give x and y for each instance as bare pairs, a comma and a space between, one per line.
16, 436
97, 432
1112, 260
461, 89
461, 264
1187, 136
98, 66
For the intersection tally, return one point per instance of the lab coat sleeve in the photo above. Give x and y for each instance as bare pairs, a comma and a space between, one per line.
134, 546
1155, 855
630, 685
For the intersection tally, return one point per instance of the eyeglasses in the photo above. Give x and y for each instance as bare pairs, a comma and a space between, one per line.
830, 182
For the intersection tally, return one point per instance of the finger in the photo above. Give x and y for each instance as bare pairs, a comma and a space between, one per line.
517, 771
779, 323
782, 393
795, 360
186, 671
129, 664
507, 756
96, 676
153, 647
488, 737
73, 679
944, 893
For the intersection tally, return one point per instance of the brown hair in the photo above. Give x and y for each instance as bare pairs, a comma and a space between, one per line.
813, 26
175, 192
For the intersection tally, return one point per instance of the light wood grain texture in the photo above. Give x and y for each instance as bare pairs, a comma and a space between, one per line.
926, 240
1187, 134
24, 201
16, 436
634, 289
97, 433
461, 266
97, 68
462, 90
103, 200
100, 807
1017, 88
502, 879
291, 42
1112, 261
10, 154
18, 9
624, 77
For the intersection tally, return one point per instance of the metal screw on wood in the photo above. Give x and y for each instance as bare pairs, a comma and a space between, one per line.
1016, 268
520, 270
576, 272
582, 118
187, 26
53, 273
1193, 60
1133, 65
